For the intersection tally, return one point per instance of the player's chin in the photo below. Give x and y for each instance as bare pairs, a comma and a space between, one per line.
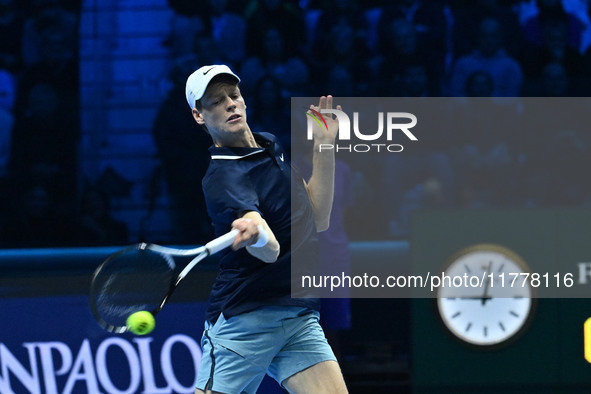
237, 129
236, 126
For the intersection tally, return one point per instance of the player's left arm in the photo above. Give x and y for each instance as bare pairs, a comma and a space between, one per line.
320, 186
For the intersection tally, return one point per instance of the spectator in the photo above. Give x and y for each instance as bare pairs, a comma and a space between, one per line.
416, 81
95, 225
469, 14
555, 43
50, 34
401, 48
554, 82
551, 13
341, 81
205, 50
333, 58
283, 16
11, 29
554, 49
491, 58
430, 22
36, 221
426, 16
231, 28
46, 131
341, 22
44, 143
290, 71
185, 25
227, 24
8, 87
479, 84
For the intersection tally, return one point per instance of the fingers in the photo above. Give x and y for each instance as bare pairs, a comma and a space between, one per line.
325, 102
248, 233
322, 102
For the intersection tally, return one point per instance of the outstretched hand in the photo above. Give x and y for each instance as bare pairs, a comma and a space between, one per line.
324, 131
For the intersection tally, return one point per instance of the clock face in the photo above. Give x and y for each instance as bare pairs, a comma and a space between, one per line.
493, 303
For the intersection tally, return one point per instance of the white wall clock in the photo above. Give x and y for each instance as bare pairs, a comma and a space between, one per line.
494, 303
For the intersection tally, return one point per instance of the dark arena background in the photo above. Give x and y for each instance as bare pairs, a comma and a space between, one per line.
98, 149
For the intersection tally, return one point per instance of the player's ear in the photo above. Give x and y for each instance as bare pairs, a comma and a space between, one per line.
198, 116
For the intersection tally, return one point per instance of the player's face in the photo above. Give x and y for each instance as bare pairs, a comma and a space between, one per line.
223, 112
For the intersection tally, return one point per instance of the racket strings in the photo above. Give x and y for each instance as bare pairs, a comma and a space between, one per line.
134, 280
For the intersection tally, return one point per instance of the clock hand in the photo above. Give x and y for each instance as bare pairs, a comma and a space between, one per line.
485, 296
463, 297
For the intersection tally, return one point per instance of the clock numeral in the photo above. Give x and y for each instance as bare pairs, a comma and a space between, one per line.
513, 313
456, 315
468, 327
485, 330
502, 326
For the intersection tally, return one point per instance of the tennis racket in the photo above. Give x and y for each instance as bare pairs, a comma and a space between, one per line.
142, 277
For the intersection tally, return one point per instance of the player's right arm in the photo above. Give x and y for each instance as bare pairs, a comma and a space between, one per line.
250, 236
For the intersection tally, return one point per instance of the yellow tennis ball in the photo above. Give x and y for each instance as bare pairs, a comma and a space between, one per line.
141, 323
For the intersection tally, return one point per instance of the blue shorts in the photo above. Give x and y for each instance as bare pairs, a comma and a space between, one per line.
276, 340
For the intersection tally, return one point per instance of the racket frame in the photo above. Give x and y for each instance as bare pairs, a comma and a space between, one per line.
200, 253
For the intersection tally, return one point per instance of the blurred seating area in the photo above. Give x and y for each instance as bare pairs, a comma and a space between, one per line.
97, 146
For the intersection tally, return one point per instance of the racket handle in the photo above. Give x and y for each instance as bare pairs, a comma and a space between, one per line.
222, 242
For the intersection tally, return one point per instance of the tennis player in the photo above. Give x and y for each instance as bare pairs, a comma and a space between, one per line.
253, 326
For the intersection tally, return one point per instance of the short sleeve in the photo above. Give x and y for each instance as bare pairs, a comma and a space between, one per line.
228, 194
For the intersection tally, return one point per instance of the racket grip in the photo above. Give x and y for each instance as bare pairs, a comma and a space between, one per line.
222, 242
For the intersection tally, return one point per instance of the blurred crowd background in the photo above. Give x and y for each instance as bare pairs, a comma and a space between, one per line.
283, 49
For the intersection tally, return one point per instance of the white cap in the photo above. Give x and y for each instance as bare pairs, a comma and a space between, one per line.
198, 81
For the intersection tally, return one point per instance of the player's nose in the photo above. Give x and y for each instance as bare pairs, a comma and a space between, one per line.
230, 103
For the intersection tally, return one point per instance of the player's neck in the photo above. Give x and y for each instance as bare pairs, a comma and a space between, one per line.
243, 139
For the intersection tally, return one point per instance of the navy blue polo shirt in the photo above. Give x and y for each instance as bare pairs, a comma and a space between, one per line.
262, 179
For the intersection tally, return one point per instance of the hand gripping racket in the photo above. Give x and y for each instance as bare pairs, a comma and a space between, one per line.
142, 277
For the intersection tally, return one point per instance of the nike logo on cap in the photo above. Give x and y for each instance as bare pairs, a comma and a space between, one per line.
205, 72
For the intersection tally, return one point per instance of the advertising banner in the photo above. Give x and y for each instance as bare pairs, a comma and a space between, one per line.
53, 345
